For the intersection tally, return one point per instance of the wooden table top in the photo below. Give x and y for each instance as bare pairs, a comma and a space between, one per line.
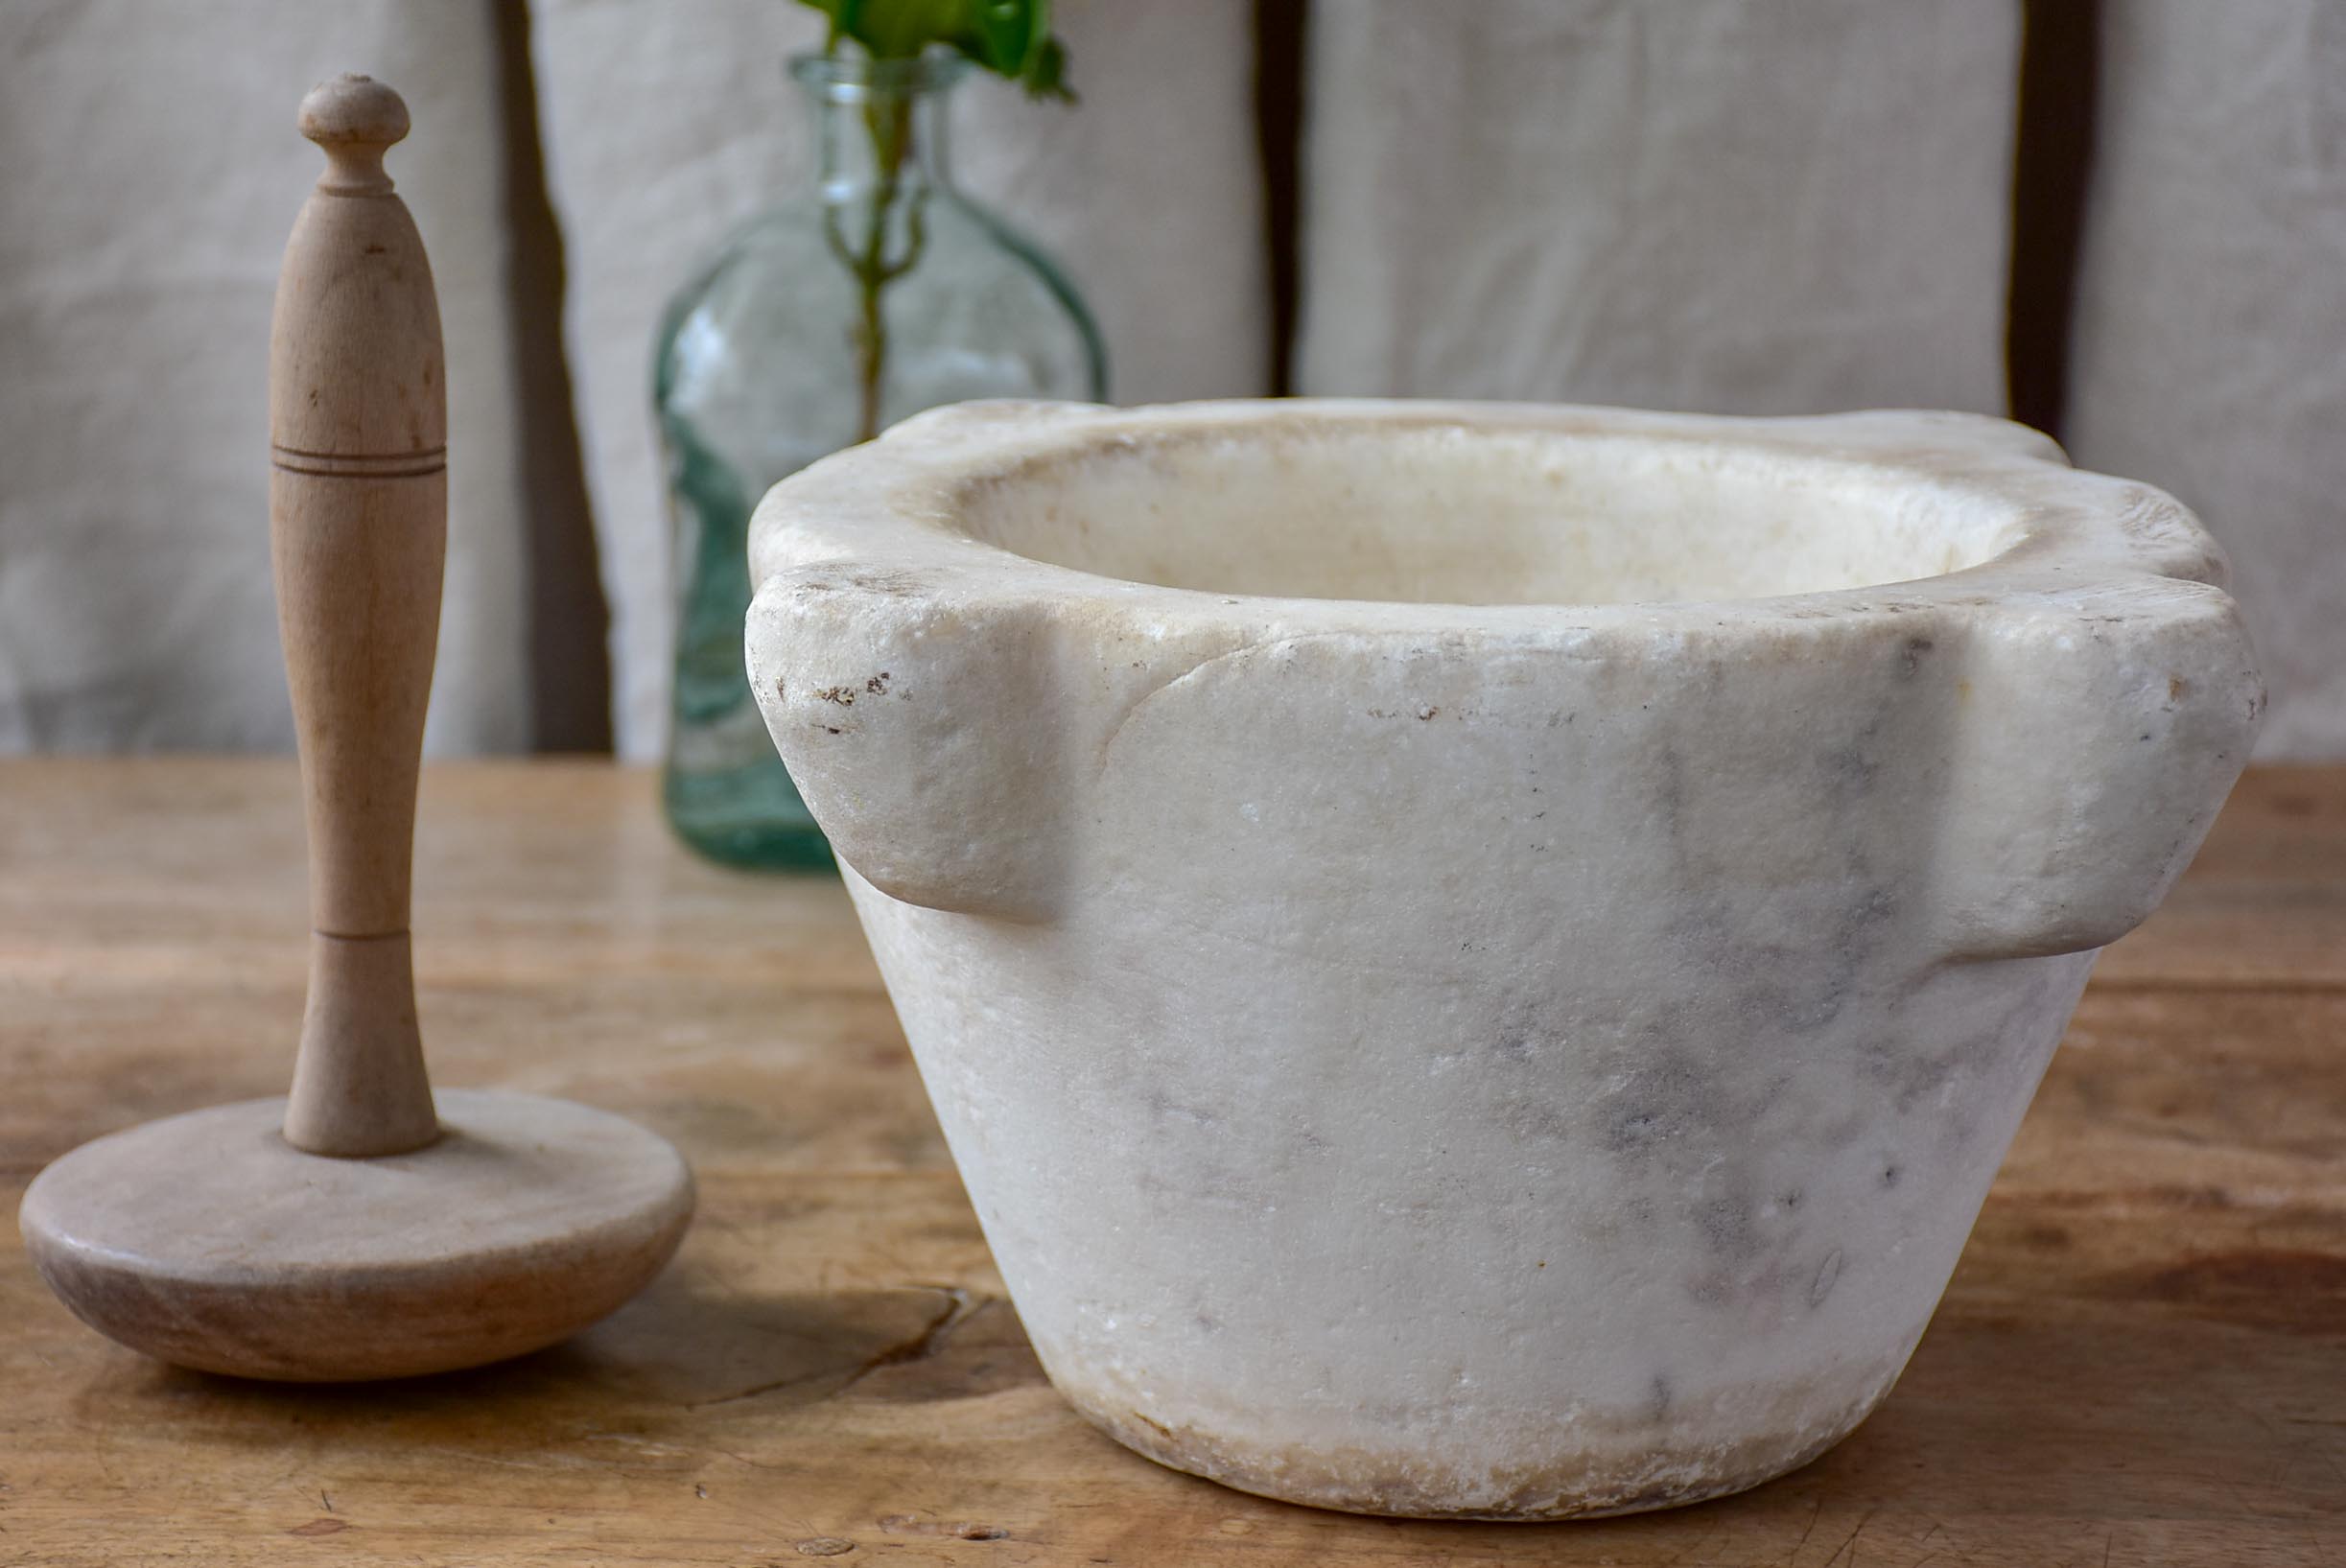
2141, 1358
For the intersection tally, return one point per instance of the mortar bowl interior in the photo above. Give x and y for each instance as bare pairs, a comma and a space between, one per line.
1479, 516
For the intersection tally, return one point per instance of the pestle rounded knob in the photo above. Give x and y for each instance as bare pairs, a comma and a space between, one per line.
355, 117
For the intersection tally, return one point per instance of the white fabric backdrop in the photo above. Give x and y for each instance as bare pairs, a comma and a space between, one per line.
149, 174
2210, 331
1709, 204
1714, 204
667, 125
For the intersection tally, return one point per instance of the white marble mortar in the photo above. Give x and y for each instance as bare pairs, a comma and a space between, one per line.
1479, 960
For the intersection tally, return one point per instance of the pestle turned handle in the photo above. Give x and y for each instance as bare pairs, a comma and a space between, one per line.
357, 529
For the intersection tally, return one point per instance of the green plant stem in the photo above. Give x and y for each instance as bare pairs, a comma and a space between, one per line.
888, 122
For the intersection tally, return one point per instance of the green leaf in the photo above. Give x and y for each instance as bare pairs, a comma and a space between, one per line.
836, 11
1000, 33
1047, 71
1010, 38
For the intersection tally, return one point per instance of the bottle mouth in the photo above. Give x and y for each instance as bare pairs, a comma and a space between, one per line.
851, 77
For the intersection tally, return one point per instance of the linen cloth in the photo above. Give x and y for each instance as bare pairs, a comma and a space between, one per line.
1738, 205
1711, 204
2210, 333
152, 173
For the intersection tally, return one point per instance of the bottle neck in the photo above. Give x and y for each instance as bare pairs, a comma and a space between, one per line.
880, 125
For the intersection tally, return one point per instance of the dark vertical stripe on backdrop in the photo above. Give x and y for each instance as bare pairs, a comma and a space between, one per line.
2052, 168
569, 620
1278, 123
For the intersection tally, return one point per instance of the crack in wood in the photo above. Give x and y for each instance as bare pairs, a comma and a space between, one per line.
960, 1306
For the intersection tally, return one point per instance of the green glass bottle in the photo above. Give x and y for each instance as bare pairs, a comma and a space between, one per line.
881, 291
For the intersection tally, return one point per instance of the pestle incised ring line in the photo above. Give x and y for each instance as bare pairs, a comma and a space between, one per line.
388, 465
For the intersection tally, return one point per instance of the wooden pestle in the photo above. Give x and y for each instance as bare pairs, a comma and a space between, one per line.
359, 529
206, 1238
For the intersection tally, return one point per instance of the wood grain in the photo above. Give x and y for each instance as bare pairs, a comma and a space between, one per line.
2142, 1360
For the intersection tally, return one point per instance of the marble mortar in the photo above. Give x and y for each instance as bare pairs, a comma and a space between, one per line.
1479, 960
